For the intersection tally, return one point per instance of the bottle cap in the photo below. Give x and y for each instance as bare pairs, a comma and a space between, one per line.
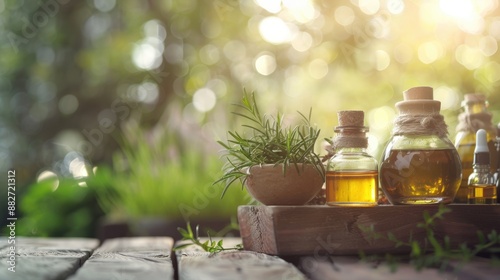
351, 118
418, 101
481, 152
351, 131
470, 98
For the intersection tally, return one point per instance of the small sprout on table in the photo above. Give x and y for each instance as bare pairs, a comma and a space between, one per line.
210, 245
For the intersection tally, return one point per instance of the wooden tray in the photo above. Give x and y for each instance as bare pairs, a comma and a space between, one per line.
319, 229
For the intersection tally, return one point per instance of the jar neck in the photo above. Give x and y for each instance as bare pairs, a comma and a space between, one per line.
476, 108
351, 150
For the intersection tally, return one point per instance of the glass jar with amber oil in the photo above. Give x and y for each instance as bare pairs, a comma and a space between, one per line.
352, 174
420, 165
475, 116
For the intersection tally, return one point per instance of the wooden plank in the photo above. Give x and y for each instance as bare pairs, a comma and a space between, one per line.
319, 229
129, 258
345, 267
194, 263
45, 258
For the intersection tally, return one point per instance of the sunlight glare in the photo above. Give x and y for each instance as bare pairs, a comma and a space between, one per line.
466, 13
274, 30
302, 11
272, 6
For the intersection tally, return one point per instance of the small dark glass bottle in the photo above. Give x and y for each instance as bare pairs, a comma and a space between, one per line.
482, 188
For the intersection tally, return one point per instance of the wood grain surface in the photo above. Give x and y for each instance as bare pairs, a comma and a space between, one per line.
193, 263
342, 267
129, 258
309, 230
45, 258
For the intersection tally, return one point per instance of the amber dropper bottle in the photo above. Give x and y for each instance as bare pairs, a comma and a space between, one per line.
482, 188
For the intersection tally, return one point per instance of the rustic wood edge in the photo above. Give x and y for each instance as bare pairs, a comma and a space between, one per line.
304, 230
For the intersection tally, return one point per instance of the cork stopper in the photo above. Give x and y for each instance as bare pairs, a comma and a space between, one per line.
418, 101
474, 103
351, 118
351, 131
473, 98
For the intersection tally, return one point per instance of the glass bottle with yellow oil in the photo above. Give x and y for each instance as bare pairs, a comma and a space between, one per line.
475, 116
482, 188
352, 174
420, 165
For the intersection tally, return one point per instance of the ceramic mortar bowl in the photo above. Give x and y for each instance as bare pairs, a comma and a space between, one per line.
268, 185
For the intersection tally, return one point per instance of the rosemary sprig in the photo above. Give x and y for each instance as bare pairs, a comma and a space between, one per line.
210, 245
267, 141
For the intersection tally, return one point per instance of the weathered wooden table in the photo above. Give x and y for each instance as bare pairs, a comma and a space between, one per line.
149, 258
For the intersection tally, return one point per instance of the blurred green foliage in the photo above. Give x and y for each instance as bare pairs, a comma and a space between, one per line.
156, 176
69, 210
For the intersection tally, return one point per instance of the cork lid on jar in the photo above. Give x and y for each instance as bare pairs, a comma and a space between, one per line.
351, 118
418, 101
351, 124
474, 98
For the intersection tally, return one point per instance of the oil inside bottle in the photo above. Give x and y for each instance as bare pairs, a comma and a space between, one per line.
482, 194
357, 188
420, 176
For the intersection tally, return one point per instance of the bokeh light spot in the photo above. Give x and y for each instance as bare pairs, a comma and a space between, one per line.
50, 177
488, 45
492, 69
265, 64
369, 7
429, 52
209, 54
383, 60
302, 11
344, 15
274, 30
272, 6
318, 68
204, 100
155, 29
68, 104
395, 7
469, 57
302, 41
147, 54
449, 98
104, 5
378, 118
